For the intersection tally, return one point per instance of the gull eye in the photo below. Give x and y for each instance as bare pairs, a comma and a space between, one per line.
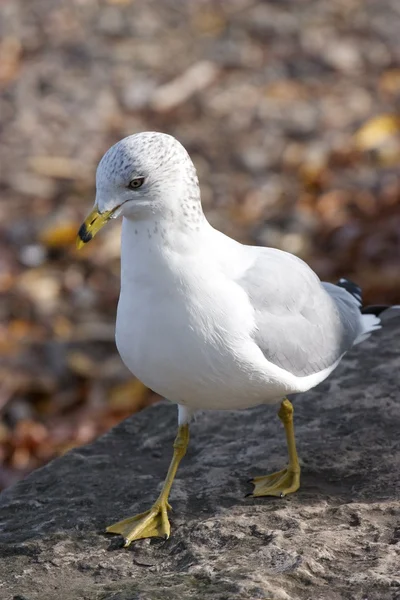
136, 183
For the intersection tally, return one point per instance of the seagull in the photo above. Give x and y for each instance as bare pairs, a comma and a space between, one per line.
205, 321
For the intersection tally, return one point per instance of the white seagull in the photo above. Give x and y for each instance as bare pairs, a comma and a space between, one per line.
205, 321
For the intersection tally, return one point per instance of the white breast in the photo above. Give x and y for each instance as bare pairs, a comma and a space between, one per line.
184, 330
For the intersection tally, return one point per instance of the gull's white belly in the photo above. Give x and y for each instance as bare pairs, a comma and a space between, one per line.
187, 352
185, 327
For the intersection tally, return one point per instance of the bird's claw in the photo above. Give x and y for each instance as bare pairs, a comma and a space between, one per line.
277, 484
152, 523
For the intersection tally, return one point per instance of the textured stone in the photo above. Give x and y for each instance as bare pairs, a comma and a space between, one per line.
338, 537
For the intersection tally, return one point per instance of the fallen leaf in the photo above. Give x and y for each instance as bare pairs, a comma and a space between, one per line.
81, 364
59, 235
21, 458
377, 131
128, 396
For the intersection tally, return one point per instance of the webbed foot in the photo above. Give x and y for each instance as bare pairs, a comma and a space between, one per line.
278, 484
152, 523
286, 481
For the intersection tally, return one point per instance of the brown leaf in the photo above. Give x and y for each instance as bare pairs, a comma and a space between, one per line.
81, 364
129, 396
21, 458
59, 235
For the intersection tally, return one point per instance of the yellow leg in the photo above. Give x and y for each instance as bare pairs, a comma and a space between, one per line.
154, 522
286, 481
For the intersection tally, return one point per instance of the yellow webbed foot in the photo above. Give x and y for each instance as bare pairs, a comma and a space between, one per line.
152, 523
286, 481
279, 484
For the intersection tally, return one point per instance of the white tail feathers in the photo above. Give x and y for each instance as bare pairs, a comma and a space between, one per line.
369, 323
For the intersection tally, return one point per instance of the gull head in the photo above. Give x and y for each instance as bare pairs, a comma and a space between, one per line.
145, 176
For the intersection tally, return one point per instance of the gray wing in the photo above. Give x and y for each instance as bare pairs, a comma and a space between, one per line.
303, 325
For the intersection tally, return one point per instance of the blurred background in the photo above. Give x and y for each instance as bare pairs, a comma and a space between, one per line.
290, 110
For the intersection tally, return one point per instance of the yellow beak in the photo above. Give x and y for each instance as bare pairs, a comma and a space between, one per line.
92, 224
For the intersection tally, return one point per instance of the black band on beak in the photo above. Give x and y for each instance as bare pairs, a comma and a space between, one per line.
84, 234
93, 223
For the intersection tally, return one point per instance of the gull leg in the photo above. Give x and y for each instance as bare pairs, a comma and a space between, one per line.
154, 522
286, 481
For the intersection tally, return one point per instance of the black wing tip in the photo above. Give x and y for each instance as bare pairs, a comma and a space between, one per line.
84, 234
350, 287
375, 309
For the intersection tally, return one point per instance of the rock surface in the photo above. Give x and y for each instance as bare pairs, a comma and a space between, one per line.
338, 537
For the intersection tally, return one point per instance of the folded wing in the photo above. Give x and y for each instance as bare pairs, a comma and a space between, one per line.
302, 325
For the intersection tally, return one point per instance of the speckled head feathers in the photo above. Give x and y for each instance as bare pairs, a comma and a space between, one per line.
170, 179
142, 152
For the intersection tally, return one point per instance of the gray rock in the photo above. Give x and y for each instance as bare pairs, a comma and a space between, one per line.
338, 537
